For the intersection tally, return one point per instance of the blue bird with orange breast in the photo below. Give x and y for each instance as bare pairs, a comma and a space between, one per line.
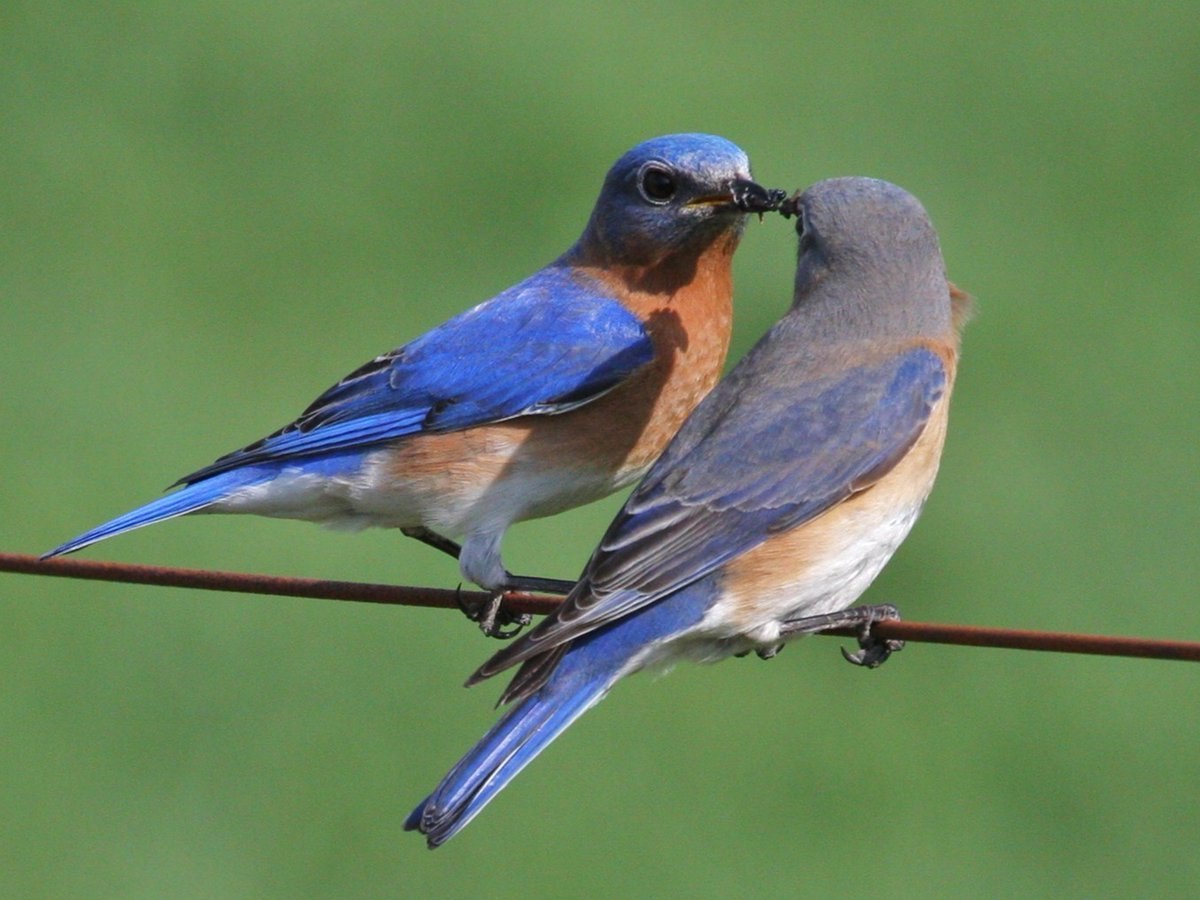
776, 505
552, 394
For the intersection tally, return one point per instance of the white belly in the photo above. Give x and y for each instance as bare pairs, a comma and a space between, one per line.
456, 501
854, 552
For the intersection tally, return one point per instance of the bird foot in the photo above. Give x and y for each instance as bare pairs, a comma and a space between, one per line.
872, 651
497, 622
492, 618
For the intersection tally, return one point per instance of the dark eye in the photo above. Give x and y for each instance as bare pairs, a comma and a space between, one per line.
803, 232
657, 184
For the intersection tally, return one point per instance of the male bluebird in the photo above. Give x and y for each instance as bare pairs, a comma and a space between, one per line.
552, 394
776, 505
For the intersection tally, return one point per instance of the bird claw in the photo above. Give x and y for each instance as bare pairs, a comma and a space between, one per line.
491, 616
874, 654
872, 651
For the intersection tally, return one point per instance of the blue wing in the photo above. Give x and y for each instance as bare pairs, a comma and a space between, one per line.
751, 461
556, 341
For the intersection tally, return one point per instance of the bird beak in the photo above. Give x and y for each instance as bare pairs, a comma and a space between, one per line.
744, 196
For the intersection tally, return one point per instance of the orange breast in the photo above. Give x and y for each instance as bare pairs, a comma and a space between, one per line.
686, 307
824, 565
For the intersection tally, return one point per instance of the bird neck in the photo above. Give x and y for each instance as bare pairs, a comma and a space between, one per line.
685, 304
862, 304
661, 272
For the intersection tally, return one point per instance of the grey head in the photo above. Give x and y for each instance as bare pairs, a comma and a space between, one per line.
869, 260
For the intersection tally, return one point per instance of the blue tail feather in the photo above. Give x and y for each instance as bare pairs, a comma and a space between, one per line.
504, 751
591, 665
188, 499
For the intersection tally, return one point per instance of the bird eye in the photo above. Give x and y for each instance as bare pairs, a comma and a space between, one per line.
802, 231
657, 184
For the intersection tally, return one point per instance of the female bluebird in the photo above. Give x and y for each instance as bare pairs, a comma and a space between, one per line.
552, 394
775, 506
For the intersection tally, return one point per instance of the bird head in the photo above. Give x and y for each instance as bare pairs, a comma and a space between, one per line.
878, 241
673, 194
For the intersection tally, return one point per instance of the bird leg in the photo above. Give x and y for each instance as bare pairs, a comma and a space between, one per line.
490, 615
431, 538
526, 583
873, 651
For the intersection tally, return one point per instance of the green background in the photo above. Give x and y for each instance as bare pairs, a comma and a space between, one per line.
209, 212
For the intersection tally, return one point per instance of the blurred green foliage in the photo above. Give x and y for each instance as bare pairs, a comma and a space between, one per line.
211, 211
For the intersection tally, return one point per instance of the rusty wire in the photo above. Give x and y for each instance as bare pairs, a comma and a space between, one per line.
931, 632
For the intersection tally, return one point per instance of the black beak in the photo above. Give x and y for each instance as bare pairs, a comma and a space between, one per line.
752, 197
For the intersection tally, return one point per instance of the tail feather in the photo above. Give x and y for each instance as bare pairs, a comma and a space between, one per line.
191, 498
505, 750
552, 691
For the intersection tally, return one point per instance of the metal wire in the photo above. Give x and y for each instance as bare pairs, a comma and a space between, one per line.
930, 632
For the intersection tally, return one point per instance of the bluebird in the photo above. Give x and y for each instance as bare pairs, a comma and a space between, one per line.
556, 392
777, 503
